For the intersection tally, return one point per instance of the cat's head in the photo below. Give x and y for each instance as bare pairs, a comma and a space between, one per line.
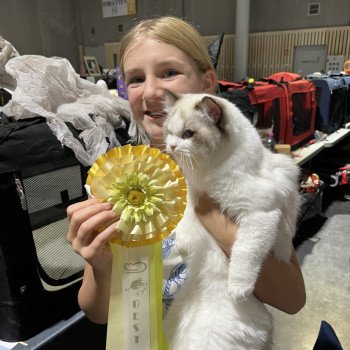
194, 128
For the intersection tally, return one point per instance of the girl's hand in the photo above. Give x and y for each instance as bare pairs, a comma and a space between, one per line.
216, 223
84, 220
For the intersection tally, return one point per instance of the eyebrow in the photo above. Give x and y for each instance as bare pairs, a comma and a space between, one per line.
162, 63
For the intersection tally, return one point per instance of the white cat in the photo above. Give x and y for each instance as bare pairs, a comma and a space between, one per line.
221, 153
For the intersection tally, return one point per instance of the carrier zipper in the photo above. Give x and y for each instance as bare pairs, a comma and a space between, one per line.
20, 193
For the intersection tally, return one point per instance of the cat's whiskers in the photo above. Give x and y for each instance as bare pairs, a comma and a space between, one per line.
195, 160
207, 157
187, 157
185, 161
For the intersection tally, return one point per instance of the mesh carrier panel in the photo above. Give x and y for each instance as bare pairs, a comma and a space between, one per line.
49, 189
268, 115
301, 115
337, 108
347, 114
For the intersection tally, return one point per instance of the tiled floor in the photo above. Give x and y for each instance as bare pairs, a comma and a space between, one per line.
324, 256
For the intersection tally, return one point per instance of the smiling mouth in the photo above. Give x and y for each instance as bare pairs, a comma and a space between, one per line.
154, 114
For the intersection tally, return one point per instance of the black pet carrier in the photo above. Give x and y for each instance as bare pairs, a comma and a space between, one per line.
331, 95
346, 79
39, 273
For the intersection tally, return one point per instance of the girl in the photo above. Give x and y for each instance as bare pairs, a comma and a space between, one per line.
157, 55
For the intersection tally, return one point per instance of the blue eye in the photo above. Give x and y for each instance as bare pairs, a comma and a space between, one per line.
135, 81
170, 73
187, 134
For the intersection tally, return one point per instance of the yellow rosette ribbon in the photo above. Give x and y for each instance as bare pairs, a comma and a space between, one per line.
148, 192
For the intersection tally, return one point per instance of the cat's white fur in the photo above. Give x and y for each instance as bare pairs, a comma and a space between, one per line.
215, 308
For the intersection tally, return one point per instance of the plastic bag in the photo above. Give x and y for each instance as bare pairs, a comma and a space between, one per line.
50, 87
7, 51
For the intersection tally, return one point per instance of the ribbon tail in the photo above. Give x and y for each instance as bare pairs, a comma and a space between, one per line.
115, 328
156, 294
135, 310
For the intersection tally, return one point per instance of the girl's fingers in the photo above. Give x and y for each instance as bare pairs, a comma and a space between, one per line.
95, 224
80, 214
80, 205
105, 236
99, 244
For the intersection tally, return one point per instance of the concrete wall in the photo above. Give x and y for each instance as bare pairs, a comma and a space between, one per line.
97, 30
275, 15
41, 27
57, 27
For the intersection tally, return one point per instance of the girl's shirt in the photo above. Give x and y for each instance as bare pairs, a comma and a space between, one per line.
174, 271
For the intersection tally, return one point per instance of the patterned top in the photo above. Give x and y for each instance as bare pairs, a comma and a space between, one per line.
174, 271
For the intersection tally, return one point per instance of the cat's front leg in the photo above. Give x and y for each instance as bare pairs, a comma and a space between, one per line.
256, 235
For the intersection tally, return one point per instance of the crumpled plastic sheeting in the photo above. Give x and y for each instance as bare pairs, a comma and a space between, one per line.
49, 87
7, 51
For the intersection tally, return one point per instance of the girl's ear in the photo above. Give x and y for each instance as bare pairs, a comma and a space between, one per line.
209, 81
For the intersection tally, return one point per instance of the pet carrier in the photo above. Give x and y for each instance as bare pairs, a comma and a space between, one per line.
346, 79
331, 96
268, 101
39, 273
301, 107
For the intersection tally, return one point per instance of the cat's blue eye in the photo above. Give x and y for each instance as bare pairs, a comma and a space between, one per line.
187, 134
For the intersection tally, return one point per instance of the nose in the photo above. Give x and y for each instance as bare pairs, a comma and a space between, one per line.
152, 90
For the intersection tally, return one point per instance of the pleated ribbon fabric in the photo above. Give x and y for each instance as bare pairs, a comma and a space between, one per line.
148, 192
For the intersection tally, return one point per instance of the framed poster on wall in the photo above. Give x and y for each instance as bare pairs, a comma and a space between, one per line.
309, 59
92, 66
114, 8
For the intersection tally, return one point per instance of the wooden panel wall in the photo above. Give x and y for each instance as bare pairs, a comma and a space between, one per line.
272, 52
112, 51
269, 52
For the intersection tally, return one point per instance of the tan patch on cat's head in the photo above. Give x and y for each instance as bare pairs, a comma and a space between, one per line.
185, 116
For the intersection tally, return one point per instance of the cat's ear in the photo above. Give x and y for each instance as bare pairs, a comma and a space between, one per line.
212, 108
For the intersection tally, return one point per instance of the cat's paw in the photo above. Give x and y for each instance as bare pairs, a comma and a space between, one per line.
240, 290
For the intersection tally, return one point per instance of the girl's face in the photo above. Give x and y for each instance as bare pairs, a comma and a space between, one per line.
150, 68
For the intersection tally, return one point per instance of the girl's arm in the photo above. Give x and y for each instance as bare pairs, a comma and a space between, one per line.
84, 219
280, 284
94, 294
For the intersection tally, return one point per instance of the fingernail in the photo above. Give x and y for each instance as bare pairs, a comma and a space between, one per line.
107, 205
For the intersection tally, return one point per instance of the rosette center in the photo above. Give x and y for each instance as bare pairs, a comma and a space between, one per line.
136, 197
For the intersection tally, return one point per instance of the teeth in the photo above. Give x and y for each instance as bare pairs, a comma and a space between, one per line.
154, 114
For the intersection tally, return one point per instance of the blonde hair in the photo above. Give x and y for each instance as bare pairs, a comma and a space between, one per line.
169, 30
